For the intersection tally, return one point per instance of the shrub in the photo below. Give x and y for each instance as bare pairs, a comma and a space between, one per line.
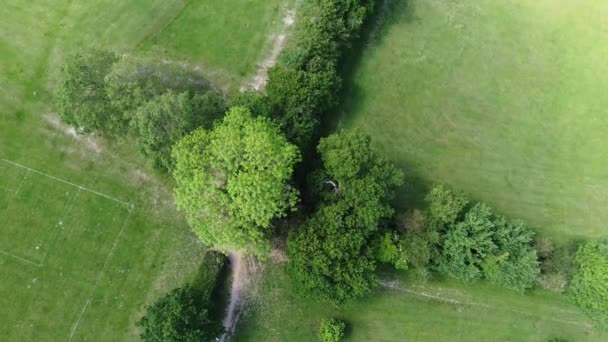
590, 283
331, 330
557, 265
484, 245
331, 256
445, 206
556, 282
305, 85
159, 123
81, 96
183, 314
385, 248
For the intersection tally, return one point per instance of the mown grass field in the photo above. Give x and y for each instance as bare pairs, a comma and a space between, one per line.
505, 100
89, 270
435, 311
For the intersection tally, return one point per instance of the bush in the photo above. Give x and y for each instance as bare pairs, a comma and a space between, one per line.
484, 245
331, 256
556, 282
81, 96
159, 123
305, 85
590, 283
386, 248
331, 330
445, 206
557, 265
183, 314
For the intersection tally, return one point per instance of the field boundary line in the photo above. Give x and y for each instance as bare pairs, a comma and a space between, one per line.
22, 181
53, 239
100, 275
20, 258
69, 183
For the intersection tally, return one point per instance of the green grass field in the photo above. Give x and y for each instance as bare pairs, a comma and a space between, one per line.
435, 311
74, 263
502, 99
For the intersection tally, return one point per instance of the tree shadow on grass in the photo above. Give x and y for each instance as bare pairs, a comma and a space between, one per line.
387, 13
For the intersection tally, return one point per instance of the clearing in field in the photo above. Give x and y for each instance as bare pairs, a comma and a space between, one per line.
505, 100
57, 239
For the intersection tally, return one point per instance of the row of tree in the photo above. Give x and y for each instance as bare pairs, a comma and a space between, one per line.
154, 103
303, 88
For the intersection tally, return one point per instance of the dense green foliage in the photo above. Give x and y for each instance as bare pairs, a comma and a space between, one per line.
481, 244
331, 255
305, 85
445, 206
331, 330
162, 121
81, 96
590, 283
232, 181
133, 82
183, 314
157, 102
557, 264
177, 317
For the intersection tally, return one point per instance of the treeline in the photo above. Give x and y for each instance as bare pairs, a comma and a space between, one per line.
154, 103
303, 88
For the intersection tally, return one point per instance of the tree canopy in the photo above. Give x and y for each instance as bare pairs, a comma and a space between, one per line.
484, 245
331, 330
590, 283
331, 255
162, 121
81, 97
133, 82
177, 317
232, 181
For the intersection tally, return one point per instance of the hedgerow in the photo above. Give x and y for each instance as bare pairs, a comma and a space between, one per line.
304, 86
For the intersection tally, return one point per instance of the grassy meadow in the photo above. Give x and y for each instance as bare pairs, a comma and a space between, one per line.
76, 265
412, 311
502, 99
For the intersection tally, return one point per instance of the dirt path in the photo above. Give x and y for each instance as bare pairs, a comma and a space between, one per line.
258, 81
396, 285
243, 269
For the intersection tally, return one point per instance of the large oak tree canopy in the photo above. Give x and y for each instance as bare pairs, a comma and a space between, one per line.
233, 180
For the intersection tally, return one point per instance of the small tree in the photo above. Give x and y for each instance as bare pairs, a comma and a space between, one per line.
161, 122
81, 97
331, 330
232, 181
590, 283
330, 256
445, 206
179, 317
133, 82
484, 245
